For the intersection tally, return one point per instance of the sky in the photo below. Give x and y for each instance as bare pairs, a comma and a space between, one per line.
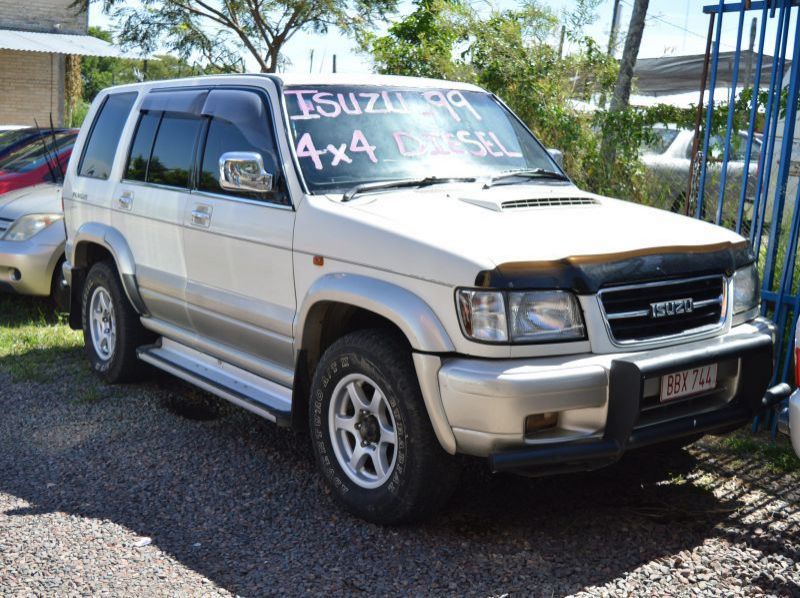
673, 27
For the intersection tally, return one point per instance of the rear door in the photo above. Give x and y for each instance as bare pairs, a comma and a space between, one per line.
237, 245
149, 202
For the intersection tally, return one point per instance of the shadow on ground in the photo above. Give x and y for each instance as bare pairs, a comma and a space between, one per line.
237, 500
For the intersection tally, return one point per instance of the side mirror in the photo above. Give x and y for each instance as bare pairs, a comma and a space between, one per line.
557, 155
244, 171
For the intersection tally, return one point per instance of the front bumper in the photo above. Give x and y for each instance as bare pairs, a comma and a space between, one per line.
26, 267
605, 403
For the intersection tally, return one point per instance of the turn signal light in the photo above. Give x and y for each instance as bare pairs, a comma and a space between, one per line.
540, 422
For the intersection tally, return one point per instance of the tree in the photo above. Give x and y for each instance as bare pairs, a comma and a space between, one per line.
99, 72
222, 30
622, 90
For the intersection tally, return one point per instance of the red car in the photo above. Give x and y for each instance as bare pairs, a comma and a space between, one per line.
42, 159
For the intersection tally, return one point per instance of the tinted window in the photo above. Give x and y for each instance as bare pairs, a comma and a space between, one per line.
240, 123
142, 145
104, 136
173, 151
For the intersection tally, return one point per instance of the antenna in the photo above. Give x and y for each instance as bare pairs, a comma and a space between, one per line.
46, 150
55, 149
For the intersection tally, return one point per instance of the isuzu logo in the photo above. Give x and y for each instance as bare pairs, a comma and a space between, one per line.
675, 307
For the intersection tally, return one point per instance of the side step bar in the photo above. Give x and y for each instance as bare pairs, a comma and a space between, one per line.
261, 396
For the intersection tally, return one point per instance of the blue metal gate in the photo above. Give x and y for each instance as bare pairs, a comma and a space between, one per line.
765, 208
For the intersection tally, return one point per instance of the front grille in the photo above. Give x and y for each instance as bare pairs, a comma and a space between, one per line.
4, 224
548, 202
629, 310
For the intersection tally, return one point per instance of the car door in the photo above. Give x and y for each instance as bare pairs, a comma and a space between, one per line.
149, 202
237, 245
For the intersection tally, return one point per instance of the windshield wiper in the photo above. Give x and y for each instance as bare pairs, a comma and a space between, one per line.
422, 182
534, 173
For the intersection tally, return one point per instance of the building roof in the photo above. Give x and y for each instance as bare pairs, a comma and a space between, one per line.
59, 43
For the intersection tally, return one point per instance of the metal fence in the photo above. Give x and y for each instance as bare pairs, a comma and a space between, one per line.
764, 204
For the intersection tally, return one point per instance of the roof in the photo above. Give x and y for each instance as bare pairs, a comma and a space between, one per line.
370, 79
670, 75
59, 43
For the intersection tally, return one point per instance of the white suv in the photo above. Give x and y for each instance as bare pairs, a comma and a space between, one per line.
400, 265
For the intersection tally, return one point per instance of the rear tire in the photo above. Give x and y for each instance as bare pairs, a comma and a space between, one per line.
111, 327
371, 434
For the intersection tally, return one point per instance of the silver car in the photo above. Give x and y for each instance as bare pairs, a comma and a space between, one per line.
32, 238
668, 159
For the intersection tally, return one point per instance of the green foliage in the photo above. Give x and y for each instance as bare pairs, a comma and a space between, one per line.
224, 32
99, 72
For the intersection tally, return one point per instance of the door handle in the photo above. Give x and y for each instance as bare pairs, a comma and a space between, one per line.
125, 201
201, 216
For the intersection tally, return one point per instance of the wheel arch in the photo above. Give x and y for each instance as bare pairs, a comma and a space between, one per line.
337, 304
95, 242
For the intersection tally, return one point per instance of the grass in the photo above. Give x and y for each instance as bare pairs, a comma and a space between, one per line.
35, 343
776, 455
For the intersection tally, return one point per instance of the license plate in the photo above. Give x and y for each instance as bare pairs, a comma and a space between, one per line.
688, 382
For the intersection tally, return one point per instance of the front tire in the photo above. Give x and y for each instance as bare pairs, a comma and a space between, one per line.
59, 289
111, 327
371, 434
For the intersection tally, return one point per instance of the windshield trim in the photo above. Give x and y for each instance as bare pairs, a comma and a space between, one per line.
282, 87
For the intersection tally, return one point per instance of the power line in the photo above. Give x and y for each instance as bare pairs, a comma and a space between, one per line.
661, 19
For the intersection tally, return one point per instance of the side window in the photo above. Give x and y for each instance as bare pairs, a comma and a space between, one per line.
101, 146
240, 122
142, 146
173, 151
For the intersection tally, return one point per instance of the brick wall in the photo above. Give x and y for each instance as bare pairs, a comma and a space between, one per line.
32, 85
42, 15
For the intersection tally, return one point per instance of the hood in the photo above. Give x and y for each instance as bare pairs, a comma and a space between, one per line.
43, 198
509, 224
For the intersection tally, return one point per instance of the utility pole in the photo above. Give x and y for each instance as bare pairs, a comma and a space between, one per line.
612, 35
334, 63
749, 64
311, 62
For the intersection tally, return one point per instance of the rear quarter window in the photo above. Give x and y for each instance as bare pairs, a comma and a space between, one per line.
101, 146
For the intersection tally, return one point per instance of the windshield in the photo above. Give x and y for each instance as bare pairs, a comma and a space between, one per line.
659, 140
346, 136
32, 155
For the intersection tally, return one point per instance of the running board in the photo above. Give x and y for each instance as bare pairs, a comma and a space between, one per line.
261, 396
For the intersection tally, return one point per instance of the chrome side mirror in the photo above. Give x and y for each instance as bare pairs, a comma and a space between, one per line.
244, 171
557, 155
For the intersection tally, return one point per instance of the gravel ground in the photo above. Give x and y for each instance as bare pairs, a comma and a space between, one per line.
157, 489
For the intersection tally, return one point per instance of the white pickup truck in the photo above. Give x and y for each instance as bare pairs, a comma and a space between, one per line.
400, 266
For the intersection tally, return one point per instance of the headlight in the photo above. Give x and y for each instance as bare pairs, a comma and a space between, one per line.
27, 226
533, 316
545, 315
746, 294
483, 315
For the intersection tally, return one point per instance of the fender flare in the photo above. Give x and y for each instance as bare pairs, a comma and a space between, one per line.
407, 311
413, 316
112, 240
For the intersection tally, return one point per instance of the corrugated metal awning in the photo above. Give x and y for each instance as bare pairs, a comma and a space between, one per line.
59, 43
682, 74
